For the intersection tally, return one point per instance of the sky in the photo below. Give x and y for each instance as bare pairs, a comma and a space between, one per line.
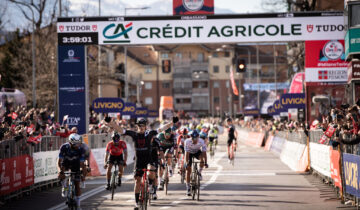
116, 8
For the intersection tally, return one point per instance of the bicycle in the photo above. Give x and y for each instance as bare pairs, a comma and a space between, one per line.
70, 198
212, 148
113, 182
195, 180
145, 195
232, 152
182, 171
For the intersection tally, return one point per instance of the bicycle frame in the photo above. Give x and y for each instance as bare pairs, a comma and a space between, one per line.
144, 191
114, 174
195, 179
232, 152
70, 199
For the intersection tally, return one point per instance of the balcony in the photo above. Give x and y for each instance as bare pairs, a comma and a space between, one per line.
186, 91
182, 106
199, 66
181, 75
200, 91
199, 106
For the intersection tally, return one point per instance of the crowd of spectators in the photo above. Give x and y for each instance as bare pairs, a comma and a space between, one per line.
20, 123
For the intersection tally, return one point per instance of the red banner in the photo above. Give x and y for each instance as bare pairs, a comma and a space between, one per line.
193, 7
16, 173
297, 83
335, 167
233, 84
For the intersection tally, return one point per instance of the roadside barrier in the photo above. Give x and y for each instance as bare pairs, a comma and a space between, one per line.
251, 137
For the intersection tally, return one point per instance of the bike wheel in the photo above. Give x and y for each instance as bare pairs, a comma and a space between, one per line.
198, 187
193, 186
146, 194
166, 185
182, 178
113, 185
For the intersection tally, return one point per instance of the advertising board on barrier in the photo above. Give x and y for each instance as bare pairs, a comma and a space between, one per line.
271, 27
277, 145
351, 165
16, 173
320, 158
45, 166
325, 61
108, 105
335, 167
291, 154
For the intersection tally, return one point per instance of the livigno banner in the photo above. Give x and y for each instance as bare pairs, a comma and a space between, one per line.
201, 29
325, 61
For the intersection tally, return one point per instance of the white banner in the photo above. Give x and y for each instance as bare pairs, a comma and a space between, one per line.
201, 29
326, 75
45, 166
291, 154
320, 158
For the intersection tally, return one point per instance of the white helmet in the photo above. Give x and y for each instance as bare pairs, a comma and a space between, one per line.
75, 138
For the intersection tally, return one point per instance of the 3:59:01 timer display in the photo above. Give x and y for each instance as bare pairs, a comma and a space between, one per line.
84, 39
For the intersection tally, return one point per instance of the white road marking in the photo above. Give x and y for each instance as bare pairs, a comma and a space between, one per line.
240, 174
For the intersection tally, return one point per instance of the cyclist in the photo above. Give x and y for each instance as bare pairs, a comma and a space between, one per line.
180, 150
117, 151
86, 148
142, 144
194, 147
72, 157
153, 166
232, 135
212, 134
167, 145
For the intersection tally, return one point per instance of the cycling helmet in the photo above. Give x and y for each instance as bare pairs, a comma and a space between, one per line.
203, 135
229, 120
141, 122
115, 137
184, 131
169, 131
75, 138
194, 134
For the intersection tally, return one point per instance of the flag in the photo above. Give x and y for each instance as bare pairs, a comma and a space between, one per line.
233, 84
35, 139
14, 115
64, 119
323, 139
30, 128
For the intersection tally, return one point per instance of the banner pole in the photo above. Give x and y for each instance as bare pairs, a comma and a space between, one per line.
308, 152
341, 174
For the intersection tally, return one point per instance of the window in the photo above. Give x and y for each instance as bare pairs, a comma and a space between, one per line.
178, 55
164, 55
216, 69
227, 69
227, 54
216, 84
148, 85
216, 99
166, 85
148, 100
148, 70
183, 100
200, 57
227, 84
215, 55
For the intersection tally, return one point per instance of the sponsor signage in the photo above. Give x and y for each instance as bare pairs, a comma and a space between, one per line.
141, 112
205, 29
265, 86
16, 173
351, 173
293, 100
352, 42
108, 105
335, 167
72, 86
278, 107
297, 83
325, 61
251, 112
129, 109
45, 166
193, 7
153, 113
271, 110
354, 71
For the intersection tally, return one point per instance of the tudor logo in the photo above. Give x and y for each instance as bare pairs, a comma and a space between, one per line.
333, 50
310, 28
94, 27
193, 5
61, 28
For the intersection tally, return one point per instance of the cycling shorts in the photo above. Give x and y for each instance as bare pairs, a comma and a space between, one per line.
229, 142
119, 159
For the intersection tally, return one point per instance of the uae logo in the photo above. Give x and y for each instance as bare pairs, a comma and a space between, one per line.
323, 75
193, 5
310, 28
61, 28
333, 50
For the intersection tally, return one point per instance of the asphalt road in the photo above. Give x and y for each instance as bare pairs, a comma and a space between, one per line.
258, 180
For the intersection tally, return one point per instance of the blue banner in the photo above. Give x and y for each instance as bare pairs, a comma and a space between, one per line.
72, 90
153, 113
271, 110
351, 167
129, 109
293, 100
108, 105
278, 108
141, 112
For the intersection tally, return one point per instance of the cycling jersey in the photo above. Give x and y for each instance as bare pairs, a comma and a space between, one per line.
116, 150
71, 157
85, 147
166, 142
231, 131
194, 148
155, 148
180, 140
213, 133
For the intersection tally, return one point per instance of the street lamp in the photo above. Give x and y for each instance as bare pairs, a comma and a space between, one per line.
125, 53
139, 85
241, 67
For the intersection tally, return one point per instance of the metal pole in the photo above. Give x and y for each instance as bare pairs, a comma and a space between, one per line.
258, 77
221, 108
33, 59
229, 99
99, 66
59, 8
275, 70
126, 79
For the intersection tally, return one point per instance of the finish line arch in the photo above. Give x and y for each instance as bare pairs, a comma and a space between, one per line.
76, 32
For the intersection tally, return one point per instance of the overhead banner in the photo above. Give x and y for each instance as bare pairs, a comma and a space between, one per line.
72, 87
193, 7
200, 29
325, 61
108, 105
129, 109
293, 100
141, 112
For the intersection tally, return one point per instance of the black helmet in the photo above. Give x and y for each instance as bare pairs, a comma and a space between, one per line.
115, 137
194, 134
229, 120
141, 122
